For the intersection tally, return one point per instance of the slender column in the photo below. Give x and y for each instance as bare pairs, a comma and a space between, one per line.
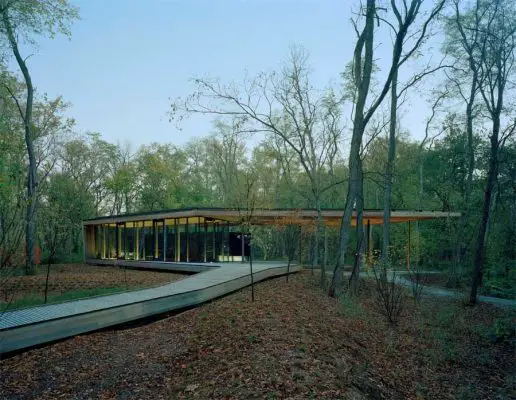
144, 255
137, 240
124, 241
84, 241
205, 249
369, 241
164, 240
300, 244
117, 241
242, 244
227, 241
198, 240
103, 241
214, 248
325, 258
156, 239
223, 248
408, 247
178, 241
187, 242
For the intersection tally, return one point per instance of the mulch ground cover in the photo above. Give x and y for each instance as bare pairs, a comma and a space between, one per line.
293, 342
65, 278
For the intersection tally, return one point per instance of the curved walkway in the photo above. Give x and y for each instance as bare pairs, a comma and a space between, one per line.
37, 325
429, 290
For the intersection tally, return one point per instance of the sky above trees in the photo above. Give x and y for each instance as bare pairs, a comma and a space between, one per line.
125, 61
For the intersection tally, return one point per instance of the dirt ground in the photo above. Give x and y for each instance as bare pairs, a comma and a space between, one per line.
293, 342
66, 278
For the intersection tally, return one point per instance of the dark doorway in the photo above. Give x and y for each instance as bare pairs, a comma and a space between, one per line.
235, 244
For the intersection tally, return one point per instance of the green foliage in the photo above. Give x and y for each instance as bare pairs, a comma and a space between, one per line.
351, 307
504, 328
32, 18
502, 287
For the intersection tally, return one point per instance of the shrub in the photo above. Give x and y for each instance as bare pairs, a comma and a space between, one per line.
390, 294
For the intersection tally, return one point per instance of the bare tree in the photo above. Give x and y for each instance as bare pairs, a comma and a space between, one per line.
246, 205
26, 18
405, 18
288, 107
362, 69
493, 57
226, 156
466, 81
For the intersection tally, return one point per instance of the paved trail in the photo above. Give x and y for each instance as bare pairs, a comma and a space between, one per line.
442, 292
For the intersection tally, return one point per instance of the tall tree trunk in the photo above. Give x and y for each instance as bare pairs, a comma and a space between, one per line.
319, 229
345, 226
492, 174
317, 235
251, 267
355, 274
389, 168
460, 243
362, 76
30, 231
325, 259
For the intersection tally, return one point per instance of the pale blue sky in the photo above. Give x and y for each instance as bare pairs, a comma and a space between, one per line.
127, 58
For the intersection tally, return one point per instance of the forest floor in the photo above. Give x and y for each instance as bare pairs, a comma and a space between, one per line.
72, 281
292, 342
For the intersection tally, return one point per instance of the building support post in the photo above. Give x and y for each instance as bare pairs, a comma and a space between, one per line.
325, 257
214, 248
300, 245
227, 241
408, 248
137, 240
178, 241
144, 254
369, 246
242, 244
123, 236
84, 241
117, 241
104, 241
164, 240
205, 244
187, 242
222, 248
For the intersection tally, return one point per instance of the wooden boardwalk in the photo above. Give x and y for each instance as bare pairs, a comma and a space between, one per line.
33, 326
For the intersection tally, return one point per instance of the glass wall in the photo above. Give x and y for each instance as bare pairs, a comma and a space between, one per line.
170, 240
193, 239
129, 240
111, 245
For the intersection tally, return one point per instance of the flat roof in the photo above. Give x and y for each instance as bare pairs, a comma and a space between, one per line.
274, 216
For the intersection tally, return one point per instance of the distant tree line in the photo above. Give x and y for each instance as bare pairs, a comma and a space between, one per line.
342, 146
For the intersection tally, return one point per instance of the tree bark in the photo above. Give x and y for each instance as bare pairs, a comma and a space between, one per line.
30, 231
362, 76
319, 229
355, 274
389, 168
460, 247
492, 174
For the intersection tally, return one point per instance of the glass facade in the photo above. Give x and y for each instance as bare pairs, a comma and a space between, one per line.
194, 239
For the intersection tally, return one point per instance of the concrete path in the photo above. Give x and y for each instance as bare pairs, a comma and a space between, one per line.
429, 290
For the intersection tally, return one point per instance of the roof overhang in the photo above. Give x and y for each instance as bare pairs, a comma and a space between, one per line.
331, 217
